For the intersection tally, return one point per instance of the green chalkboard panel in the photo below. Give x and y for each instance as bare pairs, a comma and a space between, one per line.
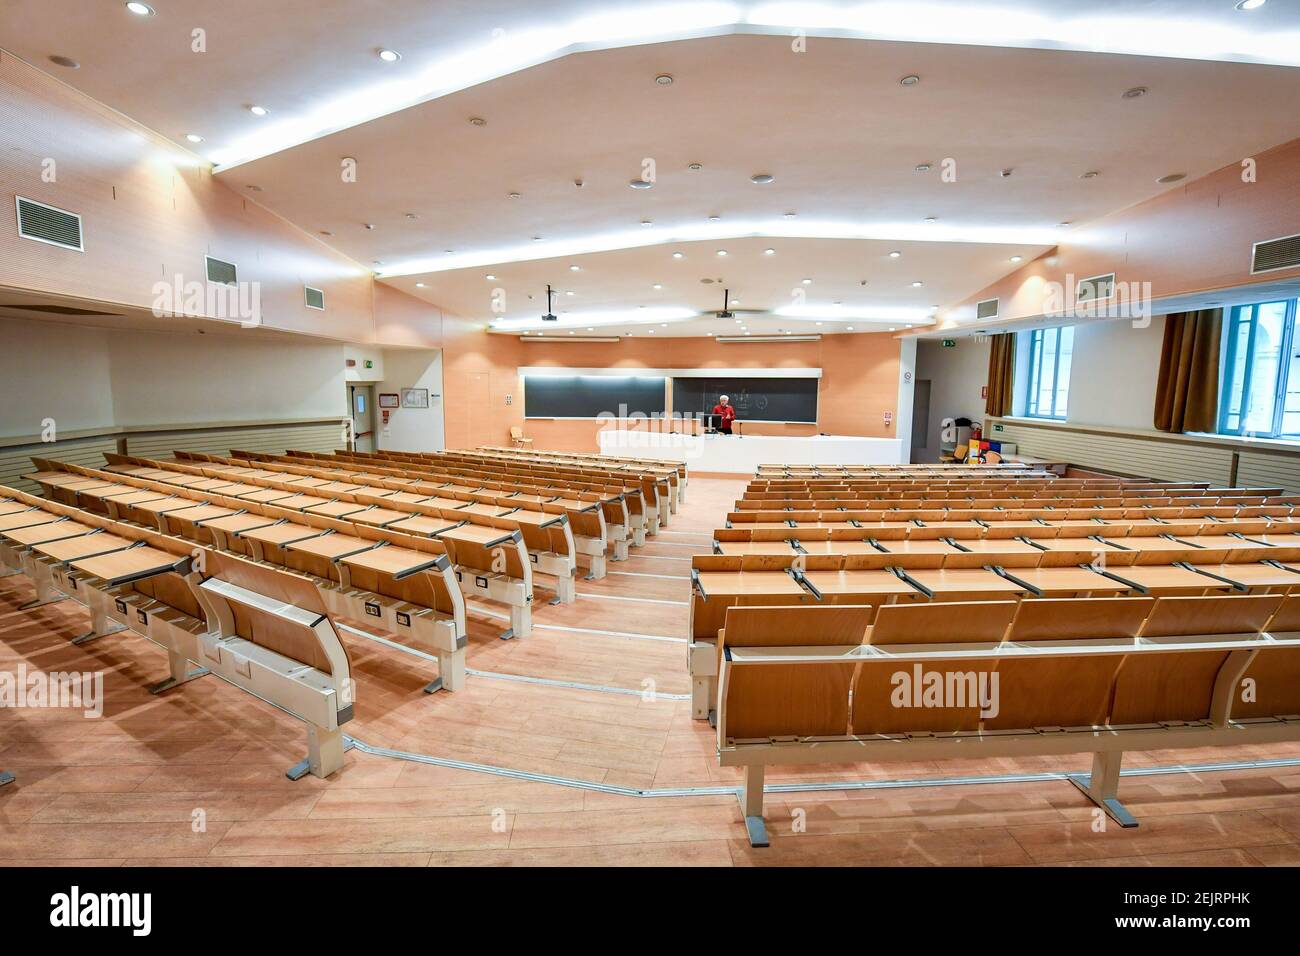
755, 399
590, 396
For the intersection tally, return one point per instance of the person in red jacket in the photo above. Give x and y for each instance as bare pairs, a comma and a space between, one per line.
728, 414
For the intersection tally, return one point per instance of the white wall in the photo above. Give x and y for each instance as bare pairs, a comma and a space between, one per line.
48, 372
957, 377
412, 429
87, 378
1113, 374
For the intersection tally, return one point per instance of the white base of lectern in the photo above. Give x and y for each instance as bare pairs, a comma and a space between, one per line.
742, 454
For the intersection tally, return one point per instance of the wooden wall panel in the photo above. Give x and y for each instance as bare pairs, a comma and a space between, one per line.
152, 211
1194, 238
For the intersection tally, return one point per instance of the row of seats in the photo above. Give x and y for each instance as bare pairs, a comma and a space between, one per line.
1101, 614
261, 629
662, 485
1003, 468
601, 517
848, 683
595, 460
395, 582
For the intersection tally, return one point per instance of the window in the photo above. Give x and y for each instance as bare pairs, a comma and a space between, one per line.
1260, 396
1048, 378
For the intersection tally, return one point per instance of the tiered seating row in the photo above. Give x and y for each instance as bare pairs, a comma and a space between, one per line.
261, 629
661, 479
841, 614
845, 684
397, 582
601, 516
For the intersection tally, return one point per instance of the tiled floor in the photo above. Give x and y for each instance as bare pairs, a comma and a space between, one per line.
129, 787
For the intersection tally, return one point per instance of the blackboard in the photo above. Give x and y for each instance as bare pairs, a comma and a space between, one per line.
589, 396
755, 399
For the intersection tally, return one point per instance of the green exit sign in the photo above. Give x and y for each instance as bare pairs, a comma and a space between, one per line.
997, 427
369, 364
950, 343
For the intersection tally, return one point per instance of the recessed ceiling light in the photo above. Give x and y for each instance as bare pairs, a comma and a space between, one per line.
769, 252
715, 218
490, 277
722, 252
892, 329
449, 251
258, 110
647, 222
65, 61
819, 323
1062, 225
807, 281
419, 285
570, 331
568, 292
749, 333
664, 79
790, 215
651, 331
1171, 178
708, 333
916, 285
895, 254
931, 219
640, 184
695, 167
591, 328
258, 189
910, 80
761, 179
677, 255
369, 225
326, 232
194, 137
663, 325
922, 167
389, 56
1135, 92
140, 9
1090, 174
739, 321
656, 286
514, 195
1251, 4
1015, 258
850, 328
575, 268
537, 238
477, 121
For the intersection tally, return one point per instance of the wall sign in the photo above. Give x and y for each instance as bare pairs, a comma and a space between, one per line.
950, 343
389, 400
415, 398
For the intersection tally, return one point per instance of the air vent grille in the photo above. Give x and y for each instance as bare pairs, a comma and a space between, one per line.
1275, 254
222, 272
1095, 288
988, 309
43, 223
314, 298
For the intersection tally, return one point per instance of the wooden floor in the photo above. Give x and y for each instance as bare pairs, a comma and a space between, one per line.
124, 789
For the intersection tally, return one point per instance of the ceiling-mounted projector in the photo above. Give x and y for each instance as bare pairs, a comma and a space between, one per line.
724, 314
549, 316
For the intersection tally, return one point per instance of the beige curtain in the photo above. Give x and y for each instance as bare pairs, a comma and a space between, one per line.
1002, 363
1187, 386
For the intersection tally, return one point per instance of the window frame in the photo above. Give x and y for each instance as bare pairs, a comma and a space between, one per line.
1035, 372
1230, 348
